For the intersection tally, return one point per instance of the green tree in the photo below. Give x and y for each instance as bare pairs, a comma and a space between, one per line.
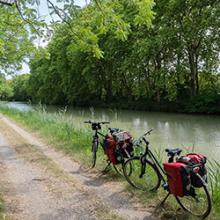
19, 85
6, 91
108, 54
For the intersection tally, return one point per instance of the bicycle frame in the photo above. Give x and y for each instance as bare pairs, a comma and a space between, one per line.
149, 153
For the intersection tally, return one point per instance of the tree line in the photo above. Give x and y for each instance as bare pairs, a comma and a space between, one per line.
161, 55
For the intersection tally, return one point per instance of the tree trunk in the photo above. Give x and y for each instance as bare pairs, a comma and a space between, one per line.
193, 63
108, 83
158, 73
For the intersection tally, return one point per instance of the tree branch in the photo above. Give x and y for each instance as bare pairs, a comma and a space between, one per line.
24, 19
6, 3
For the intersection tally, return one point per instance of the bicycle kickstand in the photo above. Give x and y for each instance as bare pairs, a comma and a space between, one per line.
161, 203
107, 167
164, 200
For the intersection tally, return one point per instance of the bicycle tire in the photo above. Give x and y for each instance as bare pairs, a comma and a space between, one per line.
94, 150
150, 181
191, 209
119, 168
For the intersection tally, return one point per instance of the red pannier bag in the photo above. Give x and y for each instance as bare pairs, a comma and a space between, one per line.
109, 144
197, 158
200, 160
178, 178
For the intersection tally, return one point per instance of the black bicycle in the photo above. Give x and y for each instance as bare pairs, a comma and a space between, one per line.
119, 152
145, 172
96, 126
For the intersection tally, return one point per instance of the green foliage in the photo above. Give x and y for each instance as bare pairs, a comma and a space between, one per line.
18, 27
145, 13
161, 55
19, 85
6, 91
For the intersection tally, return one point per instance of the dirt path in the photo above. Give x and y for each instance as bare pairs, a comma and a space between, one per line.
41, 183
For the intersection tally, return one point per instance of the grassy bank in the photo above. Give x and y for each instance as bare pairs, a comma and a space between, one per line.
57, 129
60, 131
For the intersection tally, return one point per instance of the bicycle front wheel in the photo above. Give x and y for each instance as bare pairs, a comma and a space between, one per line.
149, 180
200, 203
94, 150
118, 168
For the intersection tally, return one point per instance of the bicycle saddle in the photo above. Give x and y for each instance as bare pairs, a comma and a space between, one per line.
112, 130
173, 152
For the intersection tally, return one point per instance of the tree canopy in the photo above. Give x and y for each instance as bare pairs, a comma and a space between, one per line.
144, 54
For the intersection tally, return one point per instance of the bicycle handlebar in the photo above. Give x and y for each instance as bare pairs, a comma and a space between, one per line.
139, 140
148, 132
101, 122
89, 122
96, 125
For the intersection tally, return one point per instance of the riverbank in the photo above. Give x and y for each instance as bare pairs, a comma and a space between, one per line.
59, 131
198, 105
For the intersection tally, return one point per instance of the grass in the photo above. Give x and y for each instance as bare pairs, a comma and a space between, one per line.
2, 209
61, 131
214, 179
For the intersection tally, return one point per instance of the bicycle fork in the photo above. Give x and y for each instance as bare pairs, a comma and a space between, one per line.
143, 166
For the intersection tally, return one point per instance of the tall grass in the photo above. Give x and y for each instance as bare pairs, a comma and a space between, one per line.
214, 178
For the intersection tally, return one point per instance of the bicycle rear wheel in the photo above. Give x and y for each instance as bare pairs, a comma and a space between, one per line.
94, 150
198, 205
148, 181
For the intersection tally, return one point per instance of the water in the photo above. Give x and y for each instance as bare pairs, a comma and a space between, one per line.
19, 105
198, 132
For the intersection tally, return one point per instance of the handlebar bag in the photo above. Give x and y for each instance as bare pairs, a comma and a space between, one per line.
178, 178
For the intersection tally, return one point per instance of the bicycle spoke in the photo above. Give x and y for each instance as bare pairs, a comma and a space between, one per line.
199, 204
149, 180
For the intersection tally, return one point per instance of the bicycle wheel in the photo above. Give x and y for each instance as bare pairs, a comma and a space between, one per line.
149, 181
94, 150
198, 205
119, 168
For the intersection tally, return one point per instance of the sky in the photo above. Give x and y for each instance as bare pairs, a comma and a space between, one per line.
43, 11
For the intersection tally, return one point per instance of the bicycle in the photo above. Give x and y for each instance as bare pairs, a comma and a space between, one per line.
96, 126
145, 172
